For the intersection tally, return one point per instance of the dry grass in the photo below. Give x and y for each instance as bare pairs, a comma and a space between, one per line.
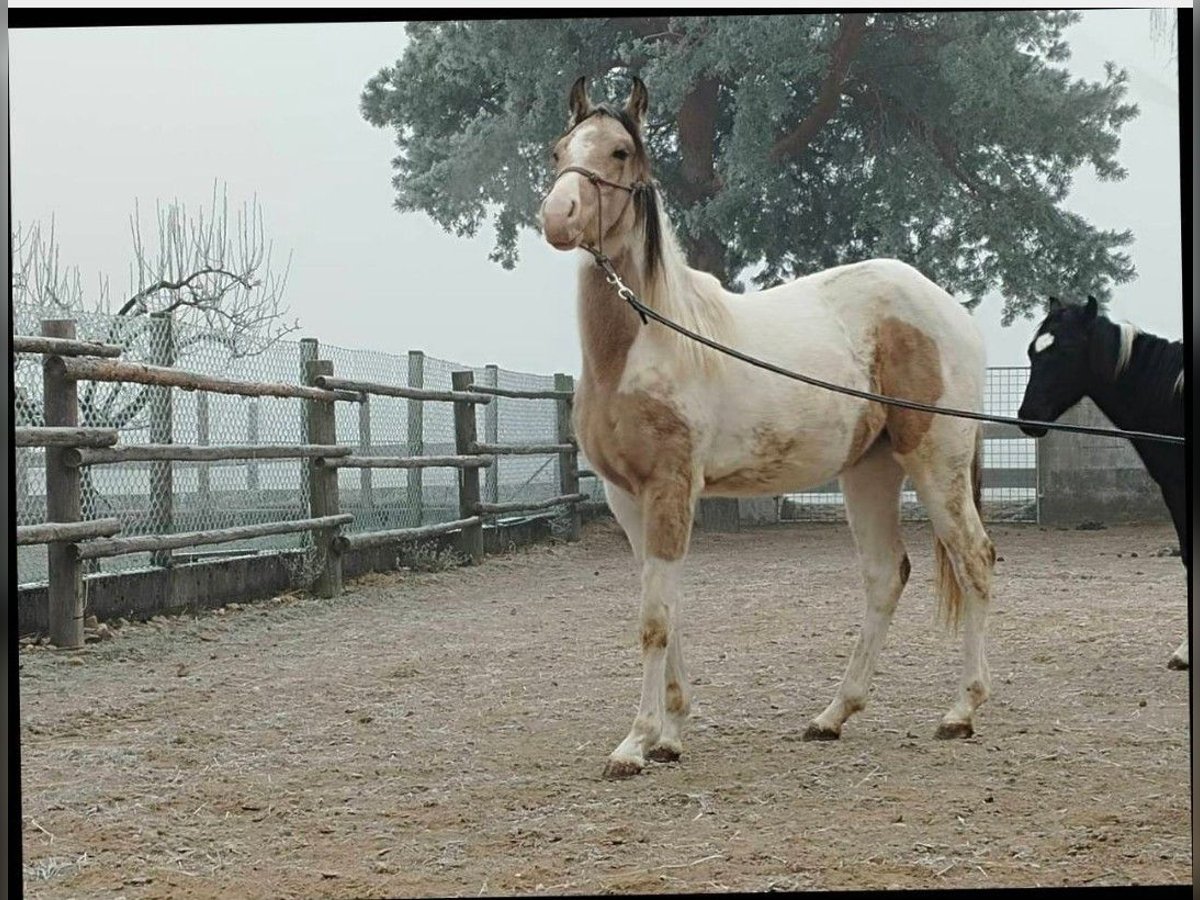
443, 733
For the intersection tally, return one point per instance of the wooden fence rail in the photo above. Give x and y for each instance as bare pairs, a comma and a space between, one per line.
186, 453
49, 346
406, 462
521, 449
556, 394
49, 532
59, 436
396, 390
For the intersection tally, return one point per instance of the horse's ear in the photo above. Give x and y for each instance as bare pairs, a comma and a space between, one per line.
1092, 307
1054, 305
580, 104
638, 102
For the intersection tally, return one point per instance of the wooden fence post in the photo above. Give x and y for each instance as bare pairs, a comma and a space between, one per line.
491, 435
568, 463
468, 479
162, 474
323, 483
60, 404
252, 438
416, 437
366, 494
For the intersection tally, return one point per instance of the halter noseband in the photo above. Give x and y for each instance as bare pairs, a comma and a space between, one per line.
597, 180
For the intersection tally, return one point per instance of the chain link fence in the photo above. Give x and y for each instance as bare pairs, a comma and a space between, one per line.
157, 498
1010, 467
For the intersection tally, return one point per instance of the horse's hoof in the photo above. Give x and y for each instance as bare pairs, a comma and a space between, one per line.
664, 753
948, 731
621, 768
815, 732
1176, 663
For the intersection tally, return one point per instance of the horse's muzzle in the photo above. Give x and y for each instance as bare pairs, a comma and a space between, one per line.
1033, 431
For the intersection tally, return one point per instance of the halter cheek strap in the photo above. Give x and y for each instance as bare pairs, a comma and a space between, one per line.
598, 180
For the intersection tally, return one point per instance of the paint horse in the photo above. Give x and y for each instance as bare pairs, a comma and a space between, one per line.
1137, 381
665, 421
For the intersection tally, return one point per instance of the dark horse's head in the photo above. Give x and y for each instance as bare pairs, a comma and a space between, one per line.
1061, 362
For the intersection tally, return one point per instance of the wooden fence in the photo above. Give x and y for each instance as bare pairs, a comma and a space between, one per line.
70, 541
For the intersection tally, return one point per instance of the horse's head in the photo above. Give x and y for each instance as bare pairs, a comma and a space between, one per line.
1060, 363
601, 172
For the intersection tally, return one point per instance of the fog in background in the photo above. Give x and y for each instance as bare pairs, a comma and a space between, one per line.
103, 116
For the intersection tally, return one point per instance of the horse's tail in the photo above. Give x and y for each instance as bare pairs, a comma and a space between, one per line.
949, 590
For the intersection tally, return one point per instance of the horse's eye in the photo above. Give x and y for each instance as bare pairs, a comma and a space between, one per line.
620, 154
554, 157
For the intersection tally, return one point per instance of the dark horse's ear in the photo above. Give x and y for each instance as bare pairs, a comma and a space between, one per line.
1092, 307
1054, 305
638, 102
579, 103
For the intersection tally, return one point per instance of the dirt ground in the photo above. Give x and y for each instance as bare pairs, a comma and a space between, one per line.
445, 733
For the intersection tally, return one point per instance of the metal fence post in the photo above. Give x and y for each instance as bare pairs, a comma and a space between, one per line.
366, 499
491, 435
309, 350
252, 438
416, 437
468, 479
568, 463
162, 473
323, 483
203, 479
63, 503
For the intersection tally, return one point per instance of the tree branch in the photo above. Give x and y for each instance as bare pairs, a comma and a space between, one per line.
842, 53
165, 285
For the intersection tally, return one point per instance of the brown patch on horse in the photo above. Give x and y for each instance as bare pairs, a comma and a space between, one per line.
641, 444
907, 365
654, 635
773, 451
675, 703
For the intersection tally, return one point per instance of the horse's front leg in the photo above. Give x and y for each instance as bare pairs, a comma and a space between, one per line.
667, 509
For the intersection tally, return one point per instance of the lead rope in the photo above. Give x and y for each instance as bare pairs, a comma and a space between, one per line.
624, 292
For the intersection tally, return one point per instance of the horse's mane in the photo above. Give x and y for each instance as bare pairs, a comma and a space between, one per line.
692, 298
1152, 360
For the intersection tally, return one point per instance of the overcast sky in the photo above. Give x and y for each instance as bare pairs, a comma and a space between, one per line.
102, 116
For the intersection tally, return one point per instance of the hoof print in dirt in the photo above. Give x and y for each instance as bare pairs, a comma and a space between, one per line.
949, 731
663, 754
621, 769
819, 733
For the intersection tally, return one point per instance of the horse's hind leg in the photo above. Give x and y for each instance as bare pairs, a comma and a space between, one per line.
945, 480
872, 492
1176, 503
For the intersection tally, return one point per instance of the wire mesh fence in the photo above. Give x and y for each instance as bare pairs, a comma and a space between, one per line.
160, 497
1010, 473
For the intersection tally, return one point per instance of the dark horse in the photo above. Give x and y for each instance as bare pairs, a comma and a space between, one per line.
1137, 381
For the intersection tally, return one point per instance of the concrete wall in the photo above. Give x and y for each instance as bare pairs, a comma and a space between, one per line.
1088, 478
244, 579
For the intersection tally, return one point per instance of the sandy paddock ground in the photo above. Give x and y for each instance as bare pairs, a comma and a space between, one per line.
445, 733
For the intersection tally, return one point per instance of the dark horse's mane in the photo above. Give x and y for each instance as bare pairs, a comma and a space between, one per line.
1154, 363
645, 194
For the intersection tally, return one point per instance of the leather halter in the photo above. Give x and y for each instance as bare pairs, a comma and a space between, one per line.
598, 180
